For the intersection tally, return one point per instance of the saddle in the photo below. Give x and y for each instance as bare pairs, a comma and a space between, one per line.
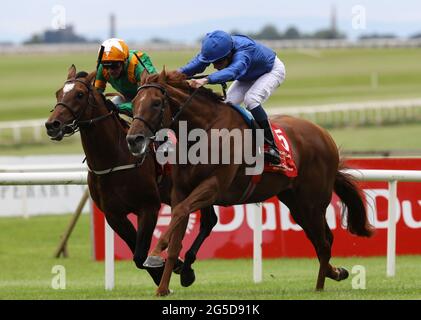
287, 165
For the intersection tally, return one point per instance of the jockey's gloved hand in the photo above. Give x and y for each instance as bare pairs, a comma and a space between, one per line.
126, 108
111, 105
126, 112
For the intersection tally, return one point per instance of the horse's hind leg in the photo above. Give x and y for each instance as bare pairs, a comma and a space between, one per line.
334, 273
317, 235
208, 220
313, 221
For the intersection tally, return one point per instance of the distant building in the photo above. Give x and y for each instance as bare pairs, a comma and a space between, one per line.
113, 33
66, 35
333, 20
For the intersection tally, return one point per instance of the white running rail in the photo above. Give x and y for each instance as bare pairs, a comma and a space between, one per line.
339, 114
80, 177
392, 177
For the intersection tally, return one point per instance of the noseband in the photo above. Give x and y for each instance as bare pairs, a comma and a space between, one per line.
161, 111
163, 106
77, 123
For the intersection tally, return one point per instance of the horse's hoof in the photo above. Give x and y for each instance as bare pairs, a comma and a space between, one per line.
342, 274
163, 293
153, 262
156, 274
187, 277
178, 267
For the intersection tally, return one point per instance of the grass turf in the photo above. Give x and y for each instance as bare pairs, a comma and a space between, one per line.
27, 246
391, 137
313, 77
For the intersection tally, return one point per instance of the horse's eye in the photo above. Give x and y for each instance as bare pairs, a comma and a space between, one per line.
157, 104
80, 95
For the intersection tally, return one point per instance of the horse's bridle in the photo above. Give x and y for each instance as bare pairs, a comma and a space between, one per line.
162, 108
161, 111
72, 128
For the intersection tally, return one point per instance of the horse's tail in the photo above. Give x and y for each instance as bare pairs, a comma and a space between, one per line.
353, 205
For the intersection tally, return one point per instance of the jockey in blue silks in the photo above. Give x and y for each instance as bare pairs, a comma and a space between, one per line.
254, 68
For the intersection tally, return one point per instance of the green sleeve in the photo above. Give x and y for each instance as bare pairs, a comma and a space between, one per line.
100, 81
126, 108
149, 66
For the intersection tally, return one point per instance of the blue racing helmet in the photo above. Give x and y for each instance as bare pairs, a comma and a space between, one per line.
216, 45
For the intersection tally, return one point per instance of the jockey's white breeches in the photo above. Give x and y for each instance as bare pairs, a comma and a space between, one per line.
254, 93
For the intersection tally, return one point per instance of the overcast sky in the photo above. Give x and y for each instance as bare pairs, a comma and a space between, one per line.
187, 20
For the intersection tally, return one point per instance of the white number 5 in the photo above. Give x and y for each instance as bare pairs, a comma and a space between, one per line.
282, 138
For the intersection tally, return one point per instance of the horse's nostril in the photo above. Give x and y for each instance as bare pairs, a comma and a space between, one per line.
56, 124
53, 125
130, 140
133, 140
138, 139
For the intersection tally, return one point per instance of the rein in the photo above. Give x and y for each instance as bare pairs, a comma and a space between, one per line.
161, 111
75, 126
223, 84
167, 98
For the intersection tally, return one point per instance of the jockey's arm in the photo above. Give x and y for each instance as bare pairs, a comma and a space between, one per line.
193, 67
100, 81
238, 67
146, 60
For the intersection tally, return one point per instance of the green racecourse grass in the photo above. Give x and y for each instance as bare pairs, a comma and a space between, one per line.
313, 77
27, 246
28, 83
397, 137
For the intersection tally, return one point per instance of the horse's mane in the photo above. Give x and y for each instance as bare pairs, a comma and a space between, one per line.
81, 74
124, 123
178, 80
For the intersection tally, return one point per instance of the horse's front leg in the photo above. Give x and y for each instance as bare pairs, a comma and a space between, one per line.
202, 196
161, 245
146, 222
154, 260
208, 220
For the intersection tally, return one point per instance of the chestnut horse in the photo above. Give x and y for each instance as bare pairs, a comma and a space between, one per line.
119, 184
165, 99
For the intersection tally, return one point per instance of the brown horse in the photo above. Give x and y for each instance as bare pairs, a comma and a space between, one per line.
119, 184
166, 99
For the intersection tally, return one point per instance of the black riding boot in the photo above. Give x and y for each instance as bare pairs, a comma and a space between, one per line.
272, 153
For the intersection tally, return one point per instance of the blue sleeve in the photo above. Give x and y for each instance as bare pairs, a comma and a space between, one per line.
193, 67
238, 67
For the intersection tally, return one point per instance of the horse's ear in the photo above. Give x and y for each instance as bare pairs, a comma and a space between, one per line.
91, 76
72, 72
143, 76
163, 76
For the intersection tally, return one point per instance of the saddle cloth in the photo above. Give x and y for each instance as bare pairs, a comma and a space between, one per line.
286, 166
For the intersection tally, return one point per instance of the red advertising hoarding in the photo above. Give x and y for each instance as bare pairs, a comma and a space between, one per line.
232, 237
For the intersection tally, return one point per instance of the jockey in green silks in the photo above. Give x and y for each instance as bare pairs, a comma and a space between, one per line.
122, 69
